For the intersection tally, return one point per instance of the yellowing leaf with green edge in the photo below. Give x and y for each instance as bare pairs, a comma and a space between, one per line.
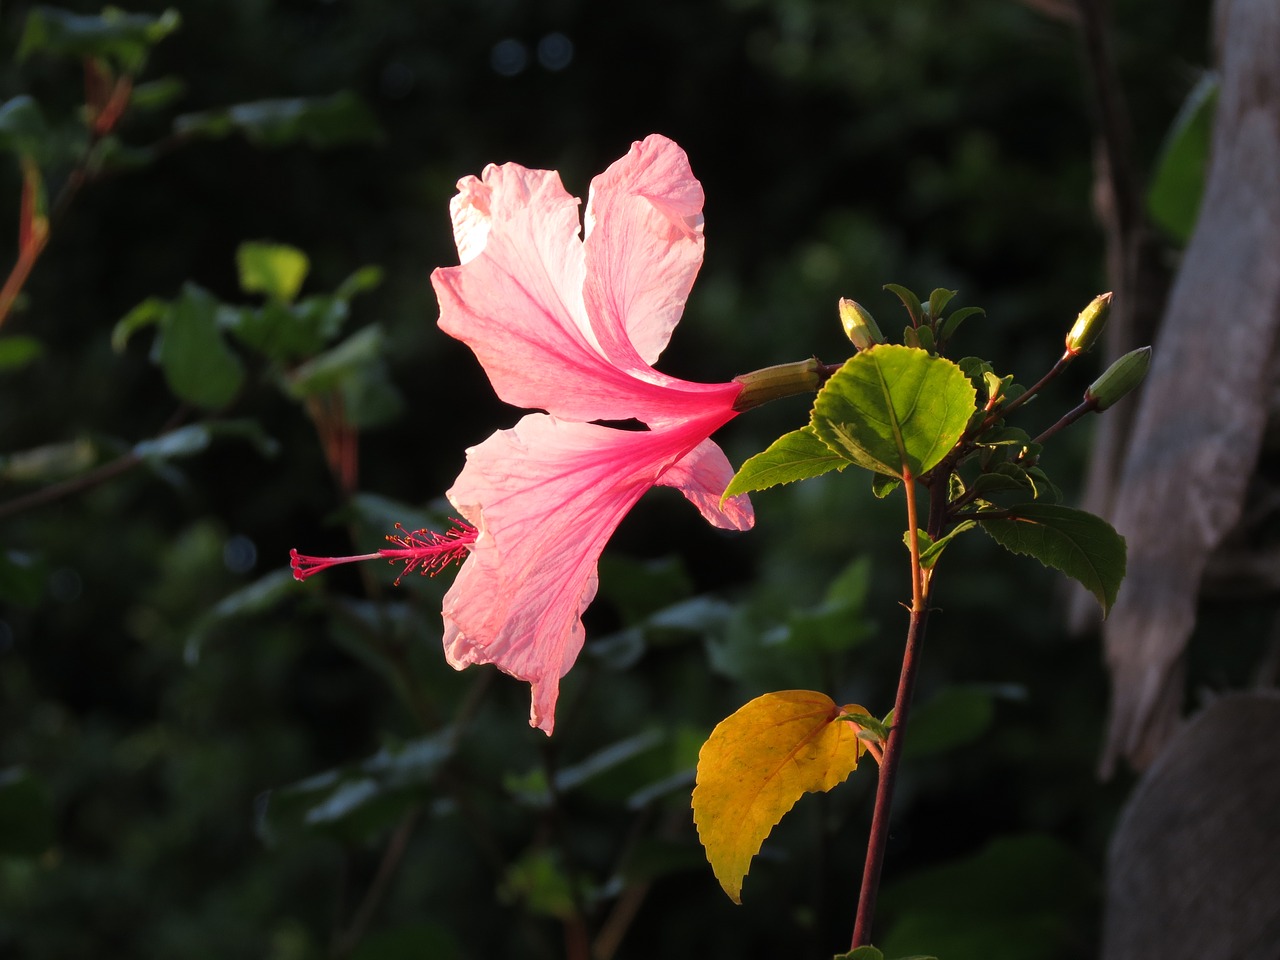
757, 763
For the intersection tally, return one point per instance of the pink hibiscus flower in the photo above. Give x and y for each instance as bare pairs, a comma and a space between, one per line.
569, 320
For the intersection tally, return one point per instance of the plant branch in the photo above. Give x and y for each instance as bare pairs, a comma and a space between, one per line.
348, 940
891, 758
66, 488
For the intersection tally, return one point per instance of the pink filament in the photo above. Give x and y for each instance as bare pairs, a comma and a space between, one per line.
425, 551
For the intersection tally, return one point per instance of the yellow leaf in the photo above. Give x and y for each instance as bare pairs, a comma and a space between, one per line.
757, 763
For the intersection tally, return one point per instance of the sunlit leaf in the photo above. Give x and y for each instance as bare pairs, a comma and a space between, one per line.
798, 455
892, 408
1079, 544
273, 269
49, 463
757, 763
18, 352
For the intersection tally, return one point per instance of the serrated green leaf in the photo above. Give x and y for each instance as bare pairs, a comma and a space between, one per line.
1173, 199
197, 363
909, 300
273, 269
797, 455
892, 409
860, 953
1079, 544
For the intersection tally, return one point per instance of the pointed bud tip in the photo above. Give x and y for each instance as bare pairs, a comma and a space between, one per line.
1089, 325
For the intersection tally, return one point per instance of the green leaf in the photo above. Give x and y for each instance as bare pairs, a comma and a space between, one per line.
261, 596
328, 370
1173, 199
49, 463
150, 311
123, 38
273, 269
321, 122
797, 455
26, 814
196, 438
893, 409
883, 485
22, 127
938, 301
18, 352
356, 801
909, 300
1082, 546
956, 716
860, 953
197, 363
952, 323
932, 552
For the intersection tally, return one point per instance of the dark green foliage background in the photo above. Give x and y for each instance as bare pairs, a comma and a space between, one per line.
842, 146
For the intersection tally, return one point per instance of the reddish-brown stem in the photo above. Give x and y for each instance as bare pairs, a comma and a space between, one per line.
891, 759
879, 838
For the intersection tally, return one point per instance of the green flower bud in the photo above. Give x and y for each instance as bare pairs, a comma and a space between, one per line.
1121, 377
1088, 326
859, 326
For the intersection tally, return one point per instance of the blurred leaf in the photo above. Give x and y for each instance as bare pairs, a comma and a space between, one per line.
893, 408
18, 352
123, 38
321, 121
195, 438
532, 788
757, 763
261, 596
198, 365
22, 579
22, 127
1173, 199
26, 814
360, 800
153, 310
1079, 544
272, 269
798, 455
156, 94
361, 281
639, 588
956, 716
538, 882
1019, 898
329, 370
48, 464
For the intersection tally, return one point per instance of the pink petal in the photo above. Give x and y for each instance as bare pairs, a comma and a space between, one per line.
545, 497
517, 297
702, 476
644, 248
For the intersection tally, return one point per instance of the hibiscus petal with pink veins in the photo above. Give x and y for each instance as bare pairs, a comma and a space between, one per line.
545, 497
702, 476
644, 245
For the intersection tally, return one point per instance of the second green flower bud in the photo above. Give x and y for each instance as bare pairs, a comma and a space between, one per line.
1121, 377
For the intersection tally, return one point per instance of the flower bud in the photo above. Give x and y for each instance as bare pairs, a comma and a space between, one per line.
1121, 377
1088, 326
859, 326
